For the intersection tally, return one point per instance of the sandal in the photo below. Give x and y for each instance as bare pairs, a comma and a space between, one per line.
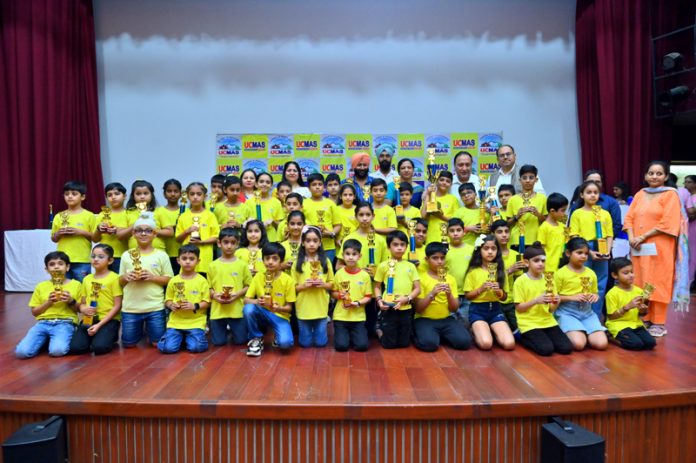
657, 331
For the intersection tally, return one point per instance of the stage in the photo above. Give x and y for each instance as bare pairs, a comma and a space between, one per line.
319, 405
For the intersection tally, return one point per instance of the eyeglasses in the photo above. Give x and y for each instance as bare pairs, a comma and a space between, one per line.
142, 231
506, 155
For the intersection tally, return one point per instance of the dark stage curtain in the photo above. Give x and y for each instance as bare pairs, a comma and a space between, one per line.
618, 133
49, 119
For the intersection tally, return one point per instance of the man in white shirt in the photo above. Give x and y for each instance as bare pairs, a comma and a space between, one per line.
509, 172
463, 162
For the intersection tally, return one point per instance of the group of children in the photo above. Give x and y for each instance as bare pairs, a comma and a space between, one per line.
253, 259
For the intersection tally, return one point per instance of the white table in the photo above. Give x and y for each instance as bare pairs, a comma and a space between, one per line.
24, 254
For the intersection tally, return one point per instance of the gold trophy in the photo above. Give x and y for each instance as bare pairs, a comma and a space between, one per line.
431, 203
321, 214
648, 289
602, 246
442, 274
252, 259
492, 272
213, 200
141, 206
64, 219
94, 296
180, 291
294, 250
345, 231
268, 289
586, 283
57, 278
366, 193
137, 264
371, 248
106, 216
412, 255
345, 288
443, 233
196, 223
182, 202
494, 203
227, 292
389, 296
526, 199
548, 279
314, 265
398, 208
483, 223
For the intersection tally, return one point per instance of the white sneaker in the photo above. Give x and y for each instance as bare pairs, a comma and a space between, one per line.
254, 347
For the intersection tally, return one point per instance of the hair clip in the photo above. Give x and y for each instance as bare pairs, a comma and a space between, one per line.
479, 241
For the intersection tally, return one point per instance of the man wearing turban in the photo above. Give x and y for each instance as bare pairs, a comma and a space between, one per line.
360, 164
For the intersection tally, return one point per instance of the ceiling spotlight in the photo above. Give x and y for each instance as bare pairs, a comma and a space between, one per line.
672, 62
673, 96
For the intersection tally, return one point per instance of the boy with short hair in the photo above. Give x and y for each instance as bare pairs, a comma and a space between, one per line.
232, 212
469, 214
447, 205
396, 316
528, 207
293, 202
505, 192
514, 267
217, 189
72, 230
410, 212
385, 217
104, 231
329, 223
457, 261
55, 311
273, 310
551, 233
333, 184
188, 298
434, 321
229, 279
352, 290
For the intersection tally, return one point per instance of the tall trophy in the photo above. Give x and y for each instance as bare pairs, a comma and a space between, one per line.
483, 220
389, 296
398, 208
94, 296
182, 202
50, 216
137, 264
521, 227
602, 246
180, 291
493, 272
196, 223
444, 238
371, 248
64, 219
442, 274
257, 198
566, 232
412, 240
252, 259
268, 289
494, 203
431, 201
345, 289
106, 216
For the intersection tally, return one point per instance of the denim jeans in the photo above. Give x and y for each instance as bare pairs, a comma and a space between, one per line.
57, 333
257, 316
313, 333
132, 326
237, 329
172, 339
78, 271
601, 268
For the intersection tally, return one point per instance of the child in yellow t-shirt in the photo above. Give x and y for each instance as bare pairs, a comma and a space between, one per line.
528, 207
486, 285
253, 240
625, 304
142, 199
105, 230
435, 307
269, 210
401, 285
313, 275
410, 212
447, 206
293, 202
535, 303
551, 233
457, 263
333, 185
296, 222
385, 217
373, 254
188, 298
53, 304
268, 302
198, 226
232, 212
346, 212
513, 269
505, 192
229, 278
352, 289
321, 212
72, 230
168, 216
469, 214
101, 332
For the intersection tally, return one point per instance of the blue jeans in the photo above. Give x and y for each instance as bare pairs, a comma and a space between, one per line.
78, 271
331, 255
601, 268
237, 328
170, 343
57, 333
132, 326
256, 316
313, 333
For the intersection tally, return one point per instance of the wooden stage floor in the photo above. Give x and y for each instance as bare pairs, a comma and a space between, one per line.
378, 384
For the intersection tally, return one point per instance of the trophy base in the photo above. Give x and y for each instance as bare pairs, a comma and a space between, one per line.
412, 256
87, 320
431, 208
602, 247
399, 210
195, 235
389, 299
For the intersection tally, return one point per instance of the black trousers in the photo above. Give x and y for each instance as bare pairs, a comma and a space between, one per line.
348, 334
396, 328
428, 334
546, 341
101, 343
510, 315
635, 339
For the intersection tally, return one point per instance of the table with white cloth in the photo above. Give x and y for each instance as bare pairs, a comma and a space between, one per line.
24, 258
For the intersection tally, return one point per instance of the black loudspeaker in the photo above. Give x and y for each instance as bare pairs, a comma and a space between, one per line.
41, 442
566, 442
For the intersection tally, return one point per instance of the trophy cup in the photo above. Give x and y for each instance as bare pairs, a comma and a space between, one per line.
268, 289
366, 193
431, 202
526, 199
294, 250
586, 283
182, 202
257, 198
180, 291
444, 238
141, 206
196, 223
321, 215
648, 289
50, 216
57, 278
602, 247
227, 292
213, 201
252, 259
137, 264
548, 279
412, 240
314, 265
566, 231
96, 287
493, 272
106, 216
389, 296
442, 274
345, 231
64, 219
345, 288
494, 203
398, 208
371, 248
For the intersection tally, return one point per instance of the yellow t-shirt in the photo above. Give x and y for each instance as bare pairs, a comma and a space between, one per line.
410, 213
509, 261
349, 223
385, 217
110, 288
360, 286
582, 223
78, 248
282, 292
405, 275
224, 212
420, 255
169, 218
158, 242
119, 220
244, 254
448, 204
330, 219
235, 274
538, 316
145, 296
617, 298
475, 278
569, 283
59, 310
439, 307
457, 261
470, 217
312, 303
208, 228
553, 240
271, 209
531, 222
196, 290
381, 249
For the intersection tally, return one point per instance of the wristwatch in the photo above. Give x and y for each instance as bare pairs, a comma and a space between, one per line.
410, 299
196, 306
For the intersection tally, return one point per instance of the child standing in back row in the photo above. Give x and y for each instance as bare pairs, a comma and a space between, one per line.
72, 230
